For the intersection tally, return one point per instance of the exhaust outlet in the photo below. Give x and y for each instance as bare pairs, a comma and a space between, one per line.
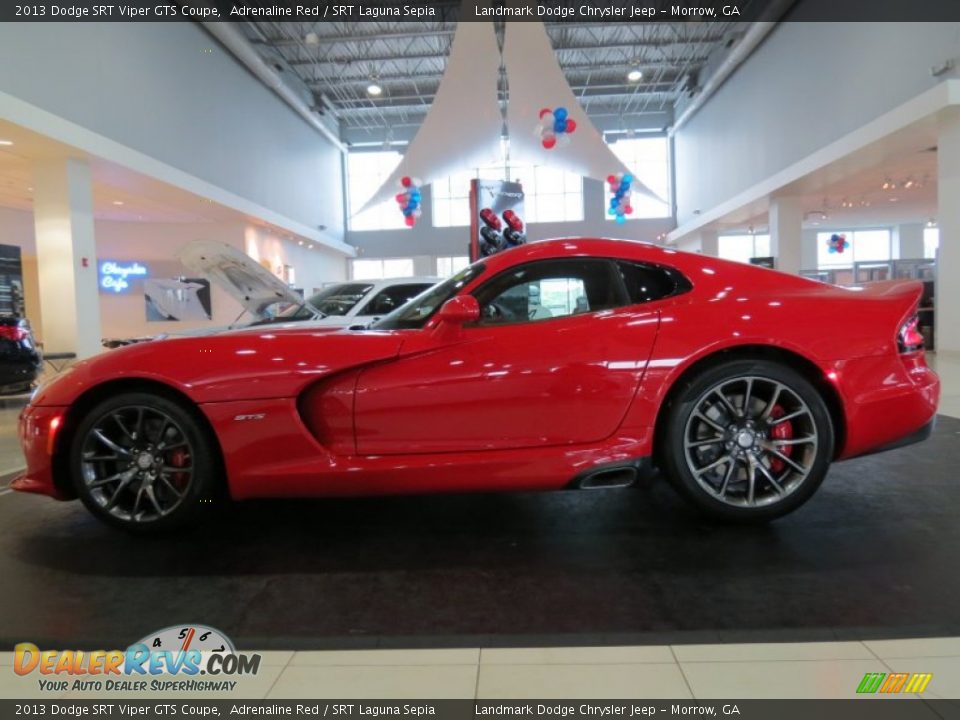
609, 478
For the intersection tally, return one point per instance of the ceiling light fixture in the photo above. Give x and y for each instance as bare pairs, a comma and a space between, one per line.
889, 184
374, 90
118, 202
311, 38
635, 76
931, 223
6, 143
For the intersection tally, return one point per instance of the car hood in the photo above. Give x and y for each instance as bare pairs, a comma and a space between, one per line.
248, 282
230, 366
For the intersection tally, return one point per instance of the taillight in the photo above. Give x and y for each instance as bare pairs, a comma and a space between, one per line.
12, 332
909, 338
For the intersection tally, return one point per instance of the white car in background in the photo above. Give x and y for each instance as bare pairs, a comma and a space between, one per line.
267, 300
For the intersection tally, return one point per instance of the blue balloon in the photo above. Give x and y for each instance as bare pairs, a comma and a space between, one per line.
407, 212
612, 210
627, 177
832, 249
559, 126
625, 186
613, 202
621, 219
560, 114
415, 195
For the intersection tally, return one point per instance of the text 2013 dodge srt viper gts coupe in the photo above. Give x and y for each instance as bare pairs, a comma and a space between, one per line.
559, 364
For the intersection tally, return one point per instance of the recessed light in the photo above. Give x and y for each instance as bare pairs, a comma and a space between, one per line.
374, 89
635, 76
118, 202
6, 143
311, 38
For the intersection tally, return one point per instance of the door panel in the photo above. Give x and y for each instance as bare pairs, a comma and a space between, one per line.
550, 382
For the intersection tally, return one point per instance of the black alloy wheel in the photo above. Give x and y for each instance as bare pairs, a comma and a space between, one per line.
748, 440
142, 462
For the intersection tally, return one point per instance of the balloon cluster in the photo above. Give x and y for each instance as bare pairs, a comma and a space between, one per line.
837, 243
492, 240
620, 202
409, 200
555, 127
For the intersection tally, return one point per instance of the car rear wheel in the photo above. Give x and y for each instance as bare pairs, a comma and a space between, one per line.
748, 440
142, 462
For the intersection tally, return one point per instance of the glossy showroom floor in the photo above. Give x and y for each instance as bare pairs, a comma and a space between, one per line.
619, 594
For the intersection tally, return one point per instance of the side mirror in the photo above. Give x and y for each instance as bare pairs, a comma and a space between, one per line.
459, 310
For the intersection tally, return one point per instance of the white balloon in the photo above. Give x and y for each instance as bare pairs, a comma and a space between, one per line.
417, 182
548, 120
563, 140
538, 130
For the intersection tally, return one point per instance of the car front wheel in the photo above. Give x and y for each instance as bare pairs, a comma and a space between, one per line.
142, 462
748, 440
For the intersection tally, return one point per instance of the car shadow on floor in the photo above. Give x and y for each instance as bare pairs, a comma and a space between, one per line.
875, 548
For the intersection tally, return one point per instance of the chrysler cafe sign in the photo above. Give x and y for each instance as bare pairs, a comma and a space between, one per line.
117, 276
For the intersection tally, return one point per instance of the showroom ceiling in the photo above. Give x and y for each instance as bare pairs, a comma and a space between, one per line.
336, 63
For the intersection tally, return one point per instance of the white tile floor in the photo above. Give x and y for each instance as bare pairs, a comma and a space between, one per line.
761, 670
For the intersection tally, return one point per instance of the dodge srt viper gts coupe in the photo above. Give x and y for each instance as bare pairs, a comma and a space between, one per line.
560, 364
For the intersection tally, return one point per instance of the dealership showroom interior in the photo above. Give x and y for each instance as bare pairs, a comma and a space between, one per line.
299, 316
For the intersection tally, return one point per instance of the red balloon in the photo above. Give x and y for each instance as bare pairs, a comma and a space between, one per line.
410, 220
549, 141
571, 125
406, 181
611, 179
401, 198
545, 111
628, 209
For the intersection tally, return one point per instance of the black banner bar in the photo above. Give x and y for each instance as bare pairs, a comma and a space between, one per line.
875, 708
574, 11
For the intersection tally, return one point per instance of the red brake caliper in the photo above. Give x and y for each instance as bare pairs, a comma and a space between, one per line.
179, 458
780, 431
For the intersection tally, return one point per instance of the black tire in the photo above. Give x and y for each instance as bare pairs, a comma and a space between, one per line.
118, 437
694, 444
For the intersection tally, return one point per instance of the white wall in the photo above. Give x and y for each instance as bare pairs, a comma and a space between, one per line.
426, 240
154, 245
313, 268
807, 85
158, 88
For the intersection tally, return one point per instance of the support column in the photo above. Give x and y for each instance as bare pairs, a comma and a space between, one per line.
908, 241
709, 243
948, 220
66, 257
808, 250
786, 233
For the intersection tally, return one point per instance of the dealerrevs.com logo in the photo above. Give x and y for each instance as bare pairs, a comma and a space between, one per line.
180, 654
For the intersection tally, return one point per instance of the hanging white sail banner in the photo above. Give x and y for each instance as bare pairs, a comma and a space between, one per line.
462, 129
536, 82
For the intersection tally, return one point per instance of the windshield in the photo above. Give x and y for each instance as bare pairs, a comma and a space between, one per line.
334, 300
416, 312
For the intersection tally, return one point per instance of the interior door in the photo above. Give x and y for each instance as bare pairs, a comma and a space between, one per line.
555, 360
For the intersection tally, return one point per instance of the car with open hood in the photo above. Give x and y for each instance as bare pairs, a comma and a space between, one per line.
266, 299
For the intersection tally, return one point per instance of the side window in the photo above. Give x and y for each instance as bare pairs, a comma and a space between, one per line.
389, 299
550, 289
645, 283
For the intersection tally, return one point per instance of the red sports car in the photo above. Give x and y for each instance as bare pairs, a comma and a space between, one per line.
560, 364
